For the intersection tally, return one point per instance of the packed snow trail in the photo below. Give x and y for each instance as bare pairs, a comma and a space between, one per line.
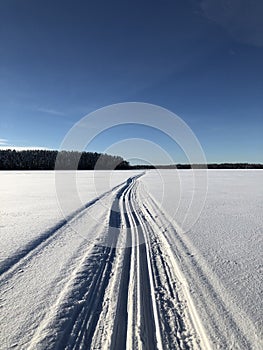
218, 320
32, 246
116, 290
118, 273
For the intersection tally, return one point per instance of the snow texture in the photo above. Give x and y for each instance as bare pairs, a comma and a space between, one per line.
136, 265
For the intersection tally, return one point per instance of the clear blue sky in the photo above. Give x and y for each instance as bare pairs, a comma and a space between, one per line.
203, 60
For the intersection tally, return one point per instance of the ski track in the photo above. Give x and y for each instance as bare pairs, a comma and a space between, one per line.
121, 291
224, 330
15, 262
124, 290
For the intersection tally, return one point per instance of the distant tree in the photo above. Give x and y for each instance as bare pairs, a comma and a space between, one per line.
63, 160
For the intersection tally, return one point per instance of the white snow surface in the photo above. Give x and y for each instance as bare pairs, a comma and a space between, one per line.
225, 241
188, 278
30, 207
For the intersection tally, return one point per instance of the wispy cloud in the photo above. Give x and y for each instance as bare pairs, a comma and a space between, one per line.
24, 148
3, 142
6, 144
50, 111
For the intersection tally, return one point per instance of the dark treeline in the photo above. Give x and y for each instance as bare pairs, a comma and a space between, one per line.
202, 166
64, 160
71, 160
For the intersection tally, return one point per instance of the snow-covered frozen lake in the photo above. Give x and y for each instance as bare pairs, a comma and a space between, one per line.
204, 233
226, 240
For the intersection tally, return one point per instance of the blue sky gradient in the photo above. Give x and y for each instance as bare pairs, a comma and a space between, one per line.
60, 60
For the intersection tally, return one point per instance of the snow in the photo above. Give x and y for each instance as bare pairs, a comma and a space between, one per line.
187, 270
226, 240
29, 204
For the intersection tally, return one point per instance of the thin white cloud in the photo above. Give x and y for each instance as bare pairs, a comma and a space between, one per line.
24, 148
3, 142
241, 19
50, 111
4, 145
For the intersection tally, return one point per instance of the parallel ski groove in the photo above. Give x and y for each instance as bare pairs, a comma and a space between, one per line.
16, 261
145, 314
